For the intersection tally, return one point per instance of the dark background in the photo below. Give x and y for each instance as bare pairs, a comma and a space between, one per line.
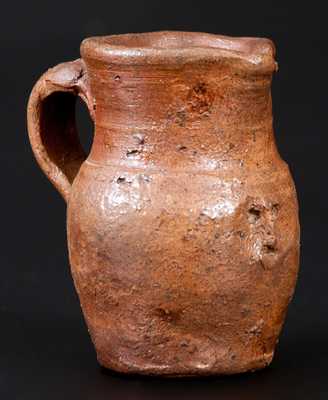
45, 350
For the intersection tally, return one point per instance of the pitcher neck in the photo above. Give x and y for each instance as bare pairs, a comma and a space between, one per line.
145, 96
173, 115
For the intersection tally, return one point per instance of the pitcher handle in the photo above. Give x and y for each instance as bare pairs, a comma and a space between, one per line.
51, 122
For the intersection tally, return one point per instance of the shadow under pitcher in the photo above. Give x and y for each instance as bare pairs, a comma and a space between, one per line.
182, 222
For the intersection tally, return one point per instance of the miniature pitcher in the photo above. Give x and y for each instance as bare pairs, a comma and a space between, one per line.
182, 221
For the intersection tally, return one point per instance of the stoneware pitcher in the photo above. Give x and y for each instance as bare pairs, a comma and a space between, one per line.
182, 221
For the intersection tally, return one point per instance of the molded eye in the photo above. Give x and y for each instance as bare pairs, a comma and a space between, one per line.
254, 213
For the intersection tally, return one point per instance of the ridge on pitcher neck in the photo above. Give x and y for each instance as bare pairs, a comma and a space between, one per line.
174, 47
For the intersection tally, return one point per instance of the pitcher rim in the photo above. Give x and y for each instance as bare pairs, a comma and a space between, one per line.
178, 47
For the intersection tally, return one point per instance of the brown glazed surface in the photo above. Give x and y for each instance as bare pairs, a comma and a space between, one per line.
183, 220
